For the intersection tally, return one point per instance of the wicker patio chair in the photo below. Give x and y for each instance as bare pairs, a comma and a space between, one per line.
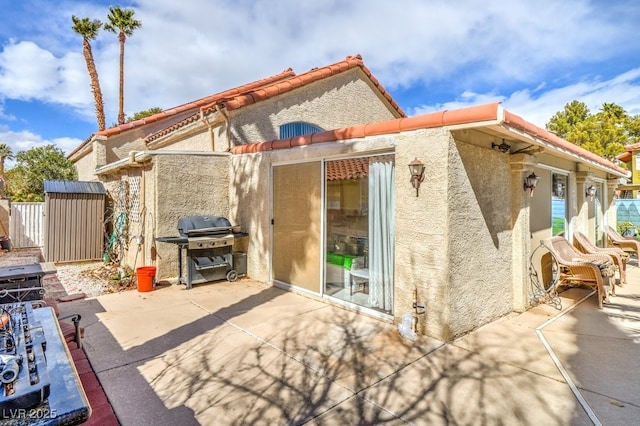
594, 270
618, 256
625, 243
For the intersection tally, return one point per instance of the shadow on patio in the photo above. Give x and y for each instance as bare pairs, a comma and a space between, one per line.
248, 353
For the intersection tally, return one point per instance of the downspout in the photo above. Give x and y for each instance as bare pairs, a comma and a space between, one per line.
205, 120
141, 237
132, 157
227, 126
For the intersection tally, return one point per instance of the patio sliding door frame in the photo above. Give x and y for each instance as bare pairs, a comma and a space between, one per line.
334, 300
271, 226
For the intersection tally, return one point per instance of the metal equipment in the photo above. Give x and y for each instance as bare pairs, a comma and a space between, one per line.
21, 283
24, 377
209, 243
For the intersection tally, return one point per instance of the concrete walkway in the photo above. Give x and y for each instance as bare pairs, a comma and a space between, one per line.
248, 353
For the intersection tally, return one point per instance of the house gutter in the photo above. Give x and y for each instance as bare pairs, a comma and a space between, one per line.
136, 158
482, 116
574, 156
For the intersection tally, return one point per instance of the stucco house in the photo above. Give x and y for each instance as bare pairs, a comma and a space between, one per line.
177, 163
336, 214
459, 245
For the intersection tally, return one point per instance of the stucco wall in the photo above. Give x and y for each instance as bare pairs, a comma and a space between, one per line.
479, 235
200, 141
86, 167
422, 243
118, 146
250, 207
341, 101
185, 185
453, 241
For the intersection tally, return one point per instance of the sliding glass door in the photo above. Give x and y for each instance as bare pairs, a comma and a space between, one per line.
359, 203
296, 225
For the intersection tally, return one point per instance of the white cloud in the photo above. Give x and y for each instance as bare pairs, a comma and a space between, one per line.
65, 144
539, 106
192, 52
25, 140
28, 72
7, 117
19, 141
484, 51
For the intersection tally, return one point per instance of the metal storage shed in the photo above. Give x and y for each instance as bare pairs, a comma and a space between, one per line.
74, 220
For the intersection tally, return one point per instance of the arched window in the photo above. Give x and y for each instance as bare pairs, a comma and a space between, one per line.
298, 128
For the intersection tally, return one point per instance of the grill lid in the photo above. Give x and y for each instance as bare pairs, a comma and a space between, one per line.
203, 225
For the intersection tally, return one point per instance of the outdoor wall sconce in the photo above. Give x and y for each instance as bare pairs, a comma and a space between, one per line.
502, 147
591, 192
416, 167
531, 182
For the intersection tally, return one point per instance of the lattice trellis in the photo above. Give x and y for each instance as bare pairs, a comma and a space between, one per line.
134, 198
117, 240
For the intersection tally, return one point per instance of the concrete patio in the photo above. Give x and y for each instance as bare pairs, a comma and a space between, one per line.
248, 353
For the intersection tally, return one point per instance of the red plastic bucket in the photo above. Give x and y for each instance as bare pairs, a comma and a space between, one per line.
145, 275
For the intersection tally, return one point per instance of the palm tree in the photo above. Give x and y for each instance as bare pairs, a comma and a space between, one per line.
5, 154
121, 22
88, 29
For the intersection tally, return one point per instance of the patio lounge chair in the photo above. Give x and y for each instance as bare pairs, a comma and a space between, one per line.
594, 270
618, 256
625, 243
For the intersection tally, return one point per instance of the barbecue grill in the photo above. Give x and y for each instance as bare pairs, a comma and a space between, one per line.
209, 242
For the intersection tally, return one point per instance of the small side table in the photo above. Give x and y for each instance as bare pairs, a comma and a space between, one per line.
359, 277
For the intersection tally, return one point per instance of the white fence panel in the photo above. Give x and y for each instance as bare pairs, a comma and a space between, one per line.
26, 227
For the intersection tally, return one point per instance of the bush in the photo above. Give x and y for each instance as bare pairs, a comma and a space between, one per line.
626, 229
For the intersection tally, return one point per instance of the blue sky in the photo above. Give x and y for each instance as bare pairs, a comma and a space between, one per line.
534, 56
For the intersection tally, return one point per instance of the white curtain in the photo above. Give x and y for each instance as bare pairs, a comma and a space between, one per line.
381, 231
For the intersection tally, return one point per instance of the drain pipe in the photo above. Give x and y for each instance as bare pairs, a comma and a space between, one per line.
417, 309
227, 124
205, 120
563, 371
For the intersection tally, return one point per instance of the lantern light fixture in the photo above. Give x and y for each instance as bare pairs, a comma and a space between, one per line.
531, 182
416, 168
502, 147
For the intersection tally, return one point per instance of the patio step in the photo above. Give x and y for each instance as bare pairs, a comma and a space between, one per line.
102, 413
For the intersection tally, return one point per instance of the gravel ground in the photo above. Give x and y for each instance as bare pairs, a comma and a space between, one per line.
93, 278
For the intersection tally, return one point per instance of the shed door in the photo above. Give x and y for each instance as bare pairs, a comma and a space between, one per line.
296, 224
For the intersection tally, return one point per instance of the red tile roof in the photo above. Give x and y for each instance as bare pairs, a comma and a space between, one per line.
629, 149
195, 105
625, 157
350, 168
245, 95
482, 115
280, 86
